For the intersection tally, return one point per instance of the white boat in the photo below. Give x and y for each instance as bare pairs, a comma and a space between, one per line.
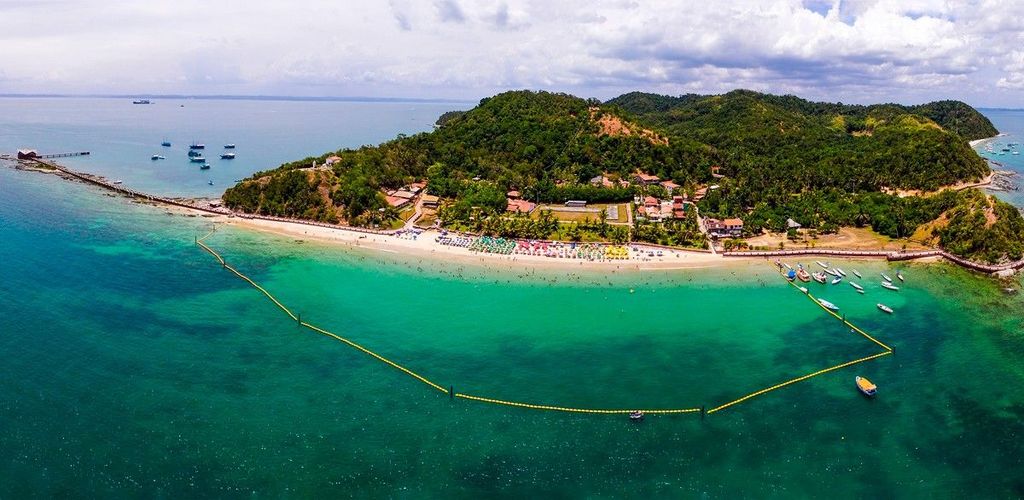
158, 157
833, 273
860, 291
858, 287
899, 275
823, 265
836, 281
803, 289
857, 273
884, 308
819, 277
828, 305
886, 277
840, 271
890, 286
227, 156
787, 266
119, 181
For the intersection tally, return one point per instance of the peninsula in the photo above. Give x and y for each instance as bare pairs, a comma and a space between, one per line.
742, 170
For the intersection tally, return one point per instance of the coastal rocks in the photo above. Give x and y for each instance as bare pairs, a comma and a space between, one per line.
1002, 181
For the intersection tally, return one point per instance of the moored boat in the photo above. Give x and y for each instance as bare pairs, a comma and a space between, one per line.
166, 144
857, 273
787, 266
803, 289
197, 146
884, 307
197, 159
194, 153
855, 285
840, 271
899, 275
803, 275
865, 386
157, 157
819, 277
886, 277
832, 272
890, 286
824, 265
791, 275
836, 281
636, 416
227, 156
229, 146
205, 166
828, 305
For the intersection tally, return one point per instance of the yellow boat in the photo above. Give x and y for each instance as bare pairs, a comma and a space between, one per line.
865, 386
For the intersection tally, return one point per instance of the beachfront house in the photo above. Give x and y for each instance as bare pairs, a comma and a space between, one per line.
27, 154
519, 206
431, 201
646, 179
728, 228
670, 186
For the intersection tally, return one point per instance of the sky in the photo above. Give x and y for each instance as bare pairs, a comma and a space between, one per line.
855, 51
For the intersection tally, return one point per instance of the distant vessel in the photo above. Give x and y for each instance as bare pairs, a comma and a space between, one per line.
227, 156
840, 271
229, 146
823, 265
166, 144
157, 157
197, 146
858, 287
636, 416
197, 159
899, 275
803, 289
890, 286
837, 280
193, 152
865, 386
828, 305
205, 166
857, 273
819, 277
884, 308
141, 101
886, 277
209, 182
802, 275
118, 181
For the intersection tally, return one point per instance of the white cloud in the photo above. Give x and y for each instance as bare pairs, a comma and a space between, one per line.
850, 50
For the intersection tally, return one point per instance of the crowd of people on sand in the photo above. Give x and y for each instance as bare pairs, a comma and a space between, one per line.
408, 234
553, 249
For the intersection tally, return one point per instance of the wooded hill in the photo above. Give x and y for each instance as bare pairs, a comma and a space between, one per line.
778, 155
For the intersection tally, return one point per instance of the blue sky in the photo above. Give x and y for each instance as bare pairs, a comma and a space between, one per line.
851, 51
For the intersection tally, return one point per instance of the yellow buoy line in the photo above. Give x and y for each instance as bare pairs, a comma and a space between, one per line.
452, 394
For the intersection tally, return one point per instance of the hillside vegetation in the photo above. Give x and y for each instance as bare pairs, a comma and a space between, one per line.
779, 157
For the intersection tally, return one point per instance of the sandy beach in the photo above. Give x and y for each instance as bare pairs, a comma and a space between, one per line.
425, 245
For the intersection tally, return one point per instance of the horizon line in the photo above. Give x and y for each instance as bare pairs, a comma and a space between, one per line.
245, 97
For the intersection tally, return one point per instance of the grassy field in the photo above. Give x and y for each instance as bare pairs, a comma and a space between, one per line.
563, 215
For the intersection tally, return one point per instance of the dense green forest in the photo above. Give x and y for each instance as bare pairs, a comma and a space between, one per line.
825, 165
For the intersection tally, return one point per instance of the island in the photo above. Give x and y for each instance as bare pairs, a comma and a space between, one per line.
742, 170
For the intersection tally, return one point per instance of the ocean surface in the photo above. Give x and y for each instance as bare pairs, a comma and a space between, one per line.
1011, 123
133, 365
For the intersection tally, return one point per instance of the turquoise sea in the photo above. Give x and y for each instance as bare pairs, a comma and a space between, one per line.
133, 365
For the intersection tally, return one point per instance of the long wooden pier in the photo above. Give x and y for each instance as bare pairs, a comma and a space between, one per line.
64, 155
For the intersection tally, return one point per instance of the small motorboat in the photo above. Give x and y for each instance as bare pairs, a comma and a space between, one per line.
857, 273
229, 146
824, 265
205, 166
865, 386
192, 153
884, 308
803, 275
899, 275
828, 305
860, 291
209, 182
803, 289
791, 275
841, 272
787, 266
636, 416
837, 281
166, 144
819, 277
157, 157
227, 156
890, 286
119, 181
197, 146
858, 287
833, 272
886, 277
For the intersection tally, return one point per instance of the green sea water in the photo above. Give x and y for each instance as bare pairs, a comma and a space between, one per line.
133, 365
